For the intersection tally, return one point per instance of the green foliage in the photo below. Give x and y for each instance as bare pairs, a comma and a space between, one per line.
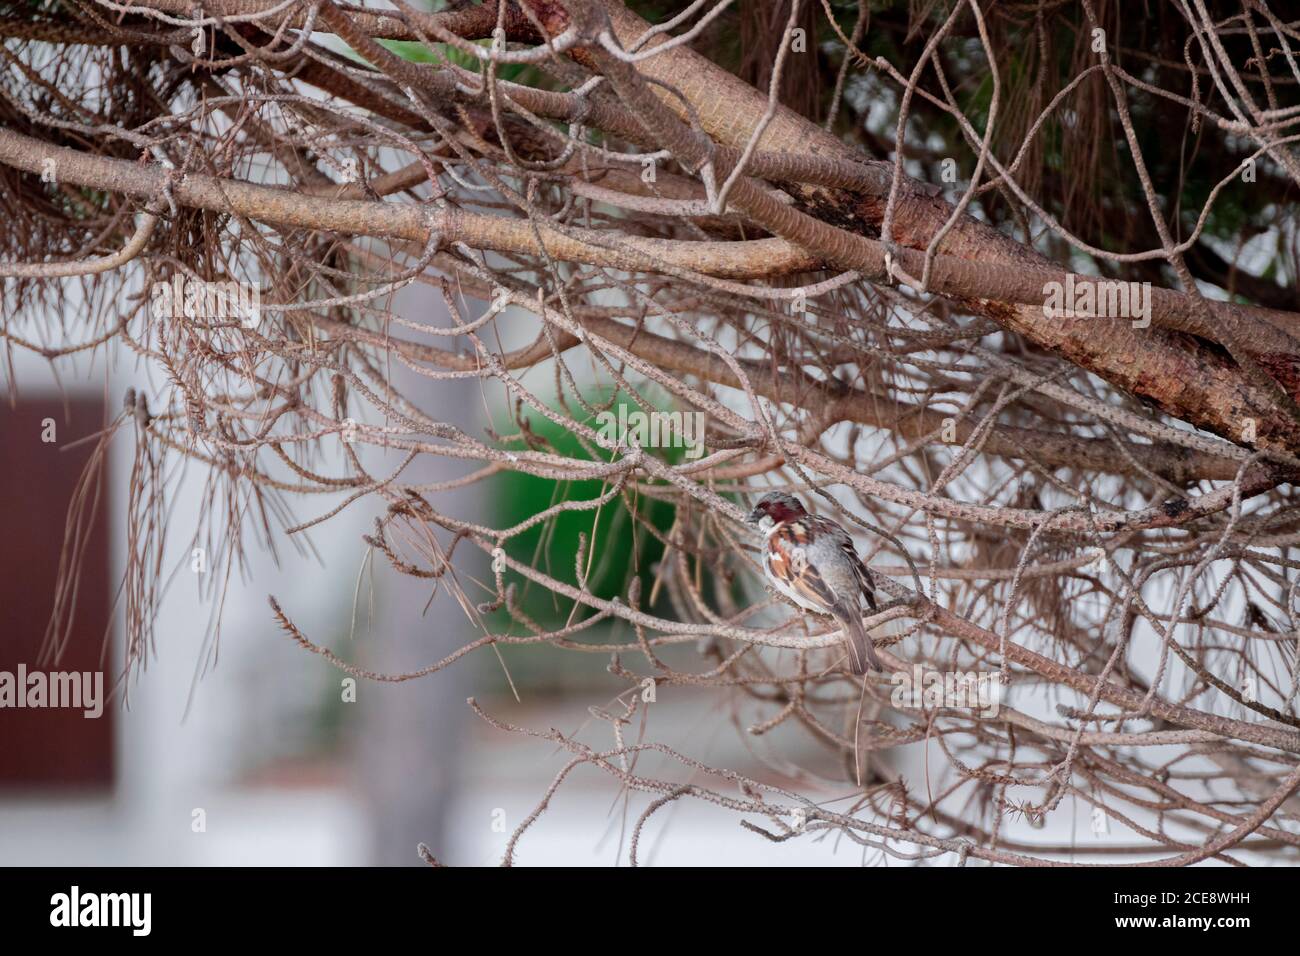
443, 53
623, 547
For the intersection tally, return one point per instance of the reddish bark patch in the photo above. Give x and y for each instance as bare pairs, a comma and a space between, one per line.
550, 15
1284, 369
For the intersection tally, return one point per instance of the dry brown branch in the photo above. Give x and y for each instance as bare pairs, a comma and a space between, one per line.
1091, 509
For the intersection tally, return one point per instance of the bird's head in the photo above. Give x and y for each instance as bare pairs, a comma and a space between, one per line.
773, 508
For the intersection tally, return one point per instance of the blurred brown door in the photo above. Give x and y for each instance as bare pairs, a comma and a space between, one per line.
49, 748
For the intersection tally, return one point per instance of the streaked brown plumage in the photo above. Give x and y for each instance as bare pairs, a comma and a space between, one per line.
812, 561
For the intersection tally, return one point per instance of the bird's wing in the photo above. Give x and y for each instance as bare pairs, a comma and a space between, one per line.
865, 580
862, 576
788, 564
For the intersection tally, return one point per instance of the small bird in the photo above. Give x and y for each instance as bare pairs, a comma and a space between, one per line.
812, 561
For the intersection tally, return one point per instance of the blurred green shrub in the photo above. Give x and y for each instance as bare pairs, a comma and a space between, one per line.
623, 548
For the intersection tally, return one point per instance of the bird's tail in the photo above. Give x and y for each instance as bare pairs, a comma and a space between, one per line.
862, 653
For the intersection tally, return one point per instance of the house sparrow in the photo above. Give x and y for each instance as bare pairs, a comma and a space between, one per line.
812, 561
